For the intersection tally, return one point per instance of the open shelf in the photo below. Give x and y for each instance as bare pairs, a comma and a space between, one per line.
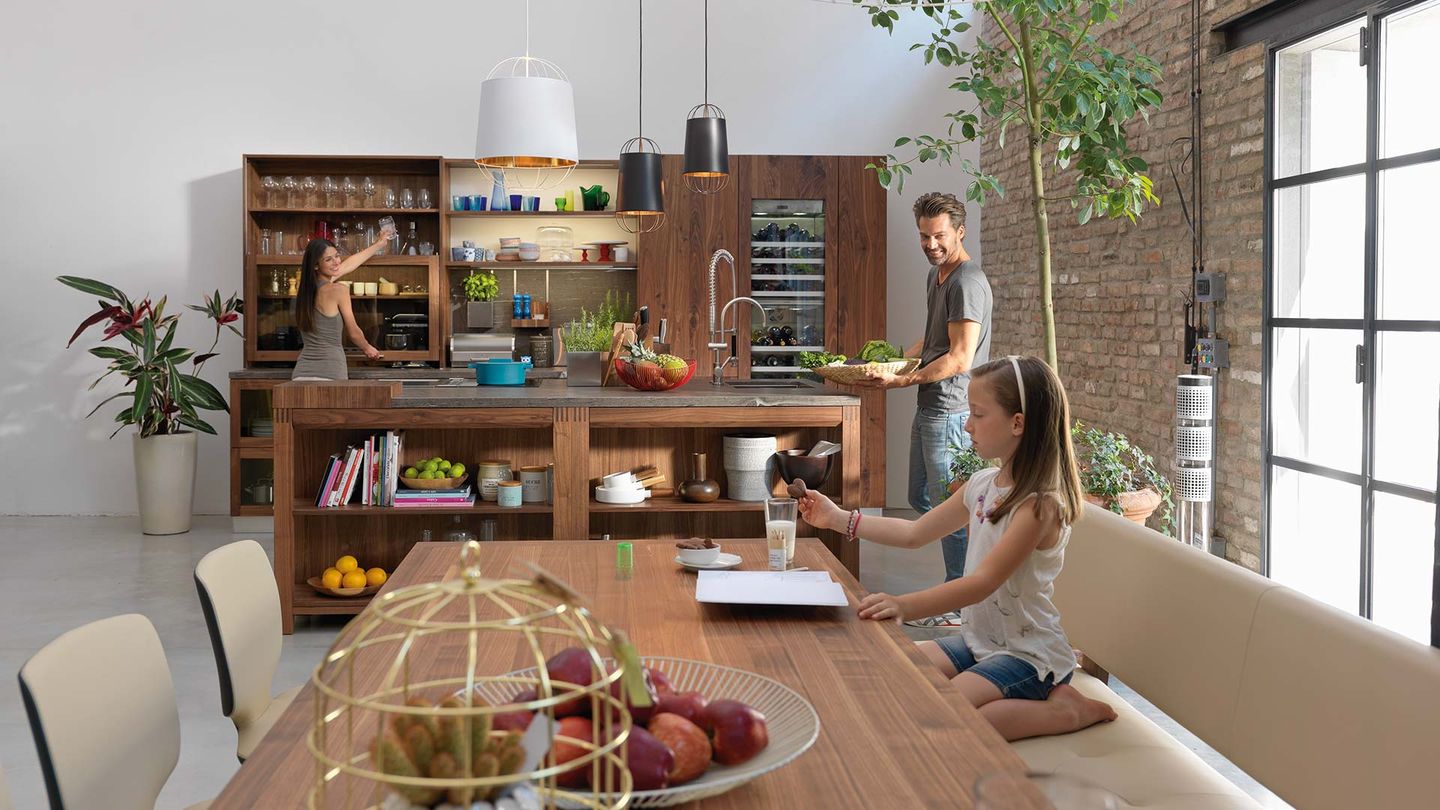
294, 259
308, 507
529, 213
353, 296
546, 265
674, 504
309, 603
316, 209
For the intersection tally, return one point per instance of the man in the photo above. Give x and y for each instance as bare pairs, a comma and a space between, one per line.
957, 338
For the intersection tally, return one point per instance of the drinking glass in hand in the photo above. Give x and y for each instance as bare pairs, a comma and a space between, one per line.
1018, 790
387, 227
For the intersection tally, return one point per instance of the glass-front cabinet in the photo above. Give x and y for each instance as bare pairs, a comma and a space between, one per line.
787, 276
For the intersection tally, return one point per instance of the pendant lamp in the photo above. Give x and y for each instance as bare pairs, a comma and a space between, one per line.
527, 120
707, 153
640, 205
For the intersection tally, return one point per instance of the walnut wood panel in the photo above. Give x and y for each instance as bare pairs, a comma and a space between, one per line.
893, 731
284, 521
754, 416
857, 272
672, 262
426, 417
571, 441
351, 394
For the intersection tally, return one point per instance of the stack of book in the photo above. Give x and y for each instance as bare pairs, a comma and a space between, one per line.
421, 498
372, 469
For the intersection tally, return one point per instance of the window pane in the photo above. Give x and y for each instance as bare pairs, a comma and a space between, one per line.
1407, 408
1410, 120
1318, 243
1404, 565
1314, 400
1320, 103
1409, 281
1315, 537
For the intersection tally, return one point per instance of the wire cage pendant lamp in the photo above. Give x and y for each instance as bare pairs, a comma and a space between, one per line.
527, 121
640, 205
707, 151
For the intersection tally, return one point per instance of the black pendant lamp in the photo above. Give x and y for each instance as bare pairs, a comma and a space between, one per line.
640, 206
707, 153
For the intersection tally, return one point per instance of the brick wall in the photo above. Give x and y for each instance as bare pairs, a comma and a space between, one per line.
1119, 288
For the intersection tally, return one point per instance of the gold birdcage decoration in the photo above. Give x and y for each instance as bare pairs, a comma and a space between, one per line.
408, 712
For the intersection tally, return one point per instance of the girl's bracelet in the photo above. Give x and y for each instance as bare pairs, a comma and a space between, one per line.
853, 525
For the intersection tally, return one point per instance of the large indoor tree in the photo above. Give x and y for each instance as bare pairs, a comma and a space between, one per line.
1070, 97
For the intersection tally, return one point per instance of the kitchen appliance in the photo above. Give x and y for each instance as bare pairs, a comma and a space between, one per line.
497, 371
407, 331
468, 347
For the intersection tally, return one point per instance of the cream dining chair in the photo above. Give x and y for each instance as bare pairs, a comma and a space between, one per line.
242, 610
102, 709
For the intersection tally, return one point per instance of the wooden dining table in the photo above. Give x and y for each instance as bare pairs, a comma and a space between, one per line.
894, 733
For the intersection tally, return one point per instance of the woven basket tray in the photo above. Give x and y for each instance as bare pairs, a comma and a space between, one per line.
849, 375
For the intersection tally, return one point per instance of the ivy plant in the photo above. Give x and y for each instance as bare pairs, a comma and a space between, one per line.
1111, 464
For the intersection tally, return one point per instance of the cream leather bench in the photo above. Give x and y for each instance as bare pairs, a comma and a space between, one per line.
1323, 708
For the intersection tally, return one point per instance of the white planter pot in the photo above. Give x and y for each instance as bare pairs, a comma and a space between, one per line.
747, 466
165, 482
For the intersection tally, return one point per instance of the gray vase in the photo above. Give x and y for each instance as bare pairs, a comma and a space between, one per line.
582, 368
479, 314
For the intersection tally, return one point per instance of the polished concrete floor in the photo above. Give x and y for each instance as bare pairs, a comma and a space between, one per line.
59, 573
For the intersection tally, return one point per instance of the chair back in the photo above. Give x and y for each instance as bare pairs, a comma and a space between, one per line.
242, 611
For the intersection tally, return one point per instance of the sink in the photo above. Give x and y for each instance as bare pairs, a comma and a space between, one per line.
792, 384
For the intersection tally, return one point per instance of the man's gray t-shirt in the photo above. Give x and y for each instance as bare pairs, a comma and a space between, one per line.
965, 296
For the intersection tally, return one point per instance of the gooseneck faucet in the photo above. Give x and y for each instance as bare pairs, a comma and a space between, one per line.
717, 330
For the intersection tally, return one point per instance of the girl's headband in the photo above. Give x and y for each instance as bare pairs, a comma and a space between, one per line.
1019, 380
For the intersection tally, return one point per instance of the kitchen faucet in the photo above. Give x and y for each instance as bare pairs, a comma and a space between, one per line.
717, 330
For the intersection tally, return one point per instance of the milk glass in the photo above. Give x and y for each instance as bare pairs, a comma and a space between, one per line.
780, 532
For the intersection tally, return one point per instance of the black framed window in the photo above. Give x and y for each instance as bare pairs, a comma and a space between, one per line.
1352, 316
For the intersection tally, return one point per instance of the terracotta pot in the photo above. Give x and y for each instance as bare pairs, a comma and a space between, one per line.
1135, 506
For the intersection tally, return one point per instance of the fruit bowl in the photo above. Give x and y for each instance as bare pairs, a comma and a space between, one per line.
791, 720
320, 588
651, 377
433, 483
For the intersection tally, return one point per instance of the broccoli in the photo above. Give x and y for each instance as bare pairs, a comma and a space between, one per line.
879, 351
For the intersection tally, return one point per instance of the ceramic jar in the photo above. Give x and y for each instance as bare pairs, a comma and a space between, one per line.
699, 487
490, 473
509, 494
534, 484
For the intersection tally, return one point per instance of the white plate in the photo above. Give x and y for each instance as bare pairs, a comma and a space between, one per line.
723, 562
621, 496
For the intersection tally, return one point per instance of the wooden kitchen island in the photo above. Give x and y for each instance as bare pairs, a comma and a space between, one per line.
584, 432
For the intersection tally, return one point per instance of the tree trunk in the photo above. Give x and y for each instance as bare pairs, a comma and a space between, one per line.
1037, 201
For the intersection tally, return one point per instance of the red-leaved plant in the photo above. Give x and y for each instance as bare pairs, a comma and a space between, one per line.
163, 400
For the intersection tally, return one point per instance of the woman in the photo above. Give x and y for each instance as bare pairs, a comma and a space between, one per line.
323, 306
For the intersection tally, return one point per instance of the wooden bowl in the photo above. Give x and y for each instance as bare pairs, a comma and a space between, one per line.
320, 588
434, 483
849, 375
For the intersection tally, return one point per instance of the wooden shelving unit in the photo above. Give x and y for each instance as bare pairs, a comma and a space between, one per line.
674, 504
308, 507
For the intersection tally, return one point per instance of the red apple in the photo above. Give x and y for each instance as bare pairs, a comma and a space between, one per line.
738, 732
571, 665
663, 686
639, 715
686, 741
650, 760
517, 720
576, 728
689, 705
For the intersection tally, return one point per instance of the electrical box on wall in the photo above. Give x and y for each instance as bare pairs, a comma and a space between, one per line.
1209, 287
1212, 353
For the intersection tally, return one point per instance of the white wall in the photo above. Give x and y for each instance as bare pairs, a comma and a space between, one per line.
122, 127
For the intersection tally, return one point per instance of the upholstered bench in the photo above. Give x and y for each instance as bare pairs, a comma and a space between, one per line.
1322, 707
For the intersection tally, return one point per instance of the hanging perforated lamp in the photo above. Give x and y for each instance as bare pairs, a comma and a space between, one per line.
527, 120
707, 152
640, 205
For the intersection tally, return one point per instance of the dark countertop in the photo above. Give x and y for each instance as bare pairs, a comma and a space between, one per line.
556, 394
397, 374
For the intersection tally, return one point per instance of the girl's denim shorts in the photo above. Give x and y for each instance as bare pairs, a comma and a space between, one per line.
1012, 676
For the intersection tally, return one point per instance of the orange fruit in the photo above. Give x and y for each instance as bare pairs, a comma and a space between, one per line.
354, 579
346, 564
376, 576
331, 578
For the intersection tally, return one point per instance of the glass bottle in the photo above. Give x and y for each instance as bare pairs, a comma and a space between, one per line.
275, 281
411, 246
264, 242
458, 533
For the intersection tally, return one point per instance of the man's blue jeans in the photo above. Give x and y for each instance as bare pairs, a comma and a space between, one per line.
933, 434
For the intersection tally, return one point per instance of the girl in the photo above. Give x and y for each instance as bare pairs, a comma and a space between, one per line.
1011, 658
322, 307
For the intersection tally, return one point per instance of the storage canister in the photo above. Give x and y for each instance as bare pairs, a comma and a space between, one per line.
489, 474
509, 493
534, 486
747, 465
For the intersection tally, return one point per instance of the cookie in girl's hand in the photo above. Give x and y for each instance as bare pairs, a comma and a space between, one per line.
797, 489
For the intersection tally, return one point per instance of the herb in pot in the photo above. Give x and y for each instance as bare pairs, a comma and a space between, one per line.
481, 286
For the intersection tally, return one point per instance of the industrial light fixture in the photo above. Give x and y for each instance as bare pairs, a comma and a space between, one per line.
707, 152
527, 120
640, 206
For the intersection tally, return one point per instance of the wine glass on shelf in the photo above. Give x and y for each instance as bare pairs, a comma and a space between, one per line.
291, 189
309, 186
388, 198
331, 189
271, 185
367, 190
407, 198
424, 201
347, 188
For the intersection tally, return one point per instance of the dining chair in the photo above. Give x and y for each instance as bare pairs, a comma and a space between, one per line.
242, 611
102, 710
5, 803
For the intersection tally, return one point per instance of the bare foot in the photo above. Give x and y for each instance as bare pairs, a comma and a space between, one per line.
1084, 711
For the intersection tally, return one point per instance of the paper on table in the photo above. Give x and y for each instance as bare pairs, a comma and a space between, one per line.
769, 588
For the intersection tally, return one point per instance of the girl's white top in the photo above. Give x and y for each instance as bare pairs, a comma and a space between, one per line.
1020, 617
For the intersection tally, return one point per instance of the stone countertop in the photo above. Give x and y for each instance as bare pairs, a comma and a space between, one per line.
556, 394
393, 374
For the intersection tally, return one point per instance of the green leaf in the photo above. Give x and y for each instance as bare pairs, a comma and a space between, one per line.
109, 353
884, 176
898, 142
108, 399
1098, 13
91, 286
1086, 212
197, 423
149, 340
143, 387
202, 393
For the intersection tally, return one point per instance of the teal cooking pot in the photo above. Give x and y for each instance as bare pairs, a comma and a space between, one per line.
500, 372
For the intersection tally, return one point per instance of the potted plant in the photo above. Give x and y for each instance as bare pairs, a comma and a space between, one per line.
585, 340
1070, 98
1121, 477
480, 292
1114, 473
161, 400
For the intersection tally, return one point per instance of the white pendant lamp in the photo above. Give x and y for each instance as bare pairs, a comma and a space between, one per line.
527, 120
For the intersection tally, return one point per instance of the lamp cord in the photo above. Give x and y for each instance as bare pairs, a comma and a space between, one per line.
640, 107
707, 51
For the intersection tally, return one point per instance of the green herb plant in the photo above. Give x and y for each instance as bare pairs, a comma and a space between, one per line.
1110, 464
481, 286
